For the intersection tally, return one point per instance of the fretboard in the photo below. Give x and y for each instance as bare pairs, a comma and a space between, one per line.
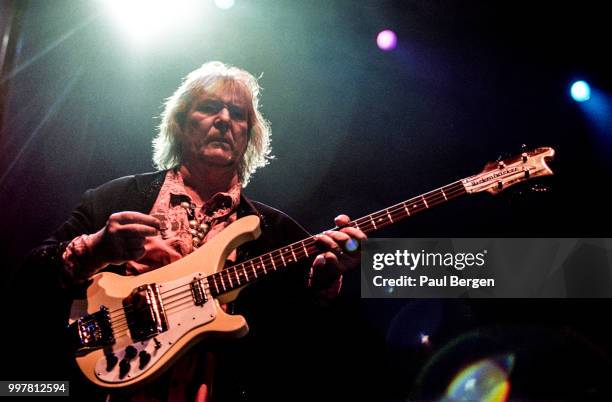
251, 270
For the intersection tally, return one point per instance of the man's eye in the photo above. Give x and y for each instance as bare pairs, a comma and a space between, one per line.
213, 107
238, 113
210, 107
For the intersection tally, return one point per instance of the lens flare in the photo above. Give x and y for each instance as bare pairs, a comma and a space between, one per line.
484, 380
351, 245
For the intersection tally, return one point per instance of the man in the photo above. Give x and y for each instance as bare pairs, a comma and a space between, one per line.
211, 140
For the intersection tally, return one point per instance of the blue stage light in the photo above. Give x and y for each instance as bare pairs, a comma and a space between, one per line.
581, 91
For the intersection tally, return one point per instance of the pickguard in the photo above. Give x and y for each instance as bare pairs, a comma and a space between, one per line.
183, 316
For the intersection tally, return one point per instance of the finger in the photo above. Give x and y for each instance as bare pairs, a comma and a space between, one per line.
325, 242
319, 261
342, 220
170, 250
325, 270
338, 237
135, 254
349, 243
332, 247
136, 230
354, 233
134, 243
128, 217
331, 259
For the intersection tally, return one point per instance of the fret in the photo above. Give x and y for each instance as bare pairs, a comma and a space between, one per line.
373, 223
229, 278
206, 283
305, 250
356, 225
237, 277
244, 271
293, 254
389, 215
406, 208
444, 194
282, 258
425, 202
214, 281
263, 265
222, 281
254, 270
273, 263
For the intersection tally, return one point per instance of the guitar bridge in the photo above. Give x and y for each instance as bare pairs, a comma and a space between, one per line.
92, 331
145, 312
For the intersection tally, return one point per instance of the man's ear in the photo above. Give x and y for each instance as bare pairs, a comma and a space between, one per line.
180, 118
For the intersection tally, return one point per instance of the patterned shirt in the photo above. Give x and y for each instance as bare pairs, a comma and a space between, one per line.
175, 239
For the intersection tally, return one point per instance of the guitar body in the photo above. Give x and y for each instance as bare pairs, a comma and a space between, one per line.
187, 323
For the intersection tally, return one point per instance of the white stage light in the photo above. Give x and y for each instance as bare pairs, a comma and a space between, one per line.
144, 19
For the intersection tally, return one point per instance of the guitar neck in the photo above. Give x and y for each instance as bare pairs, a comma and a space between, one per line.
251, 270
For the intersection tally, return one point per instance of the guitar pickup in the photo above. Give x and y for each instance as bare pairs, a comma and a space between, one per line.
144, 312
92, 331
198, 292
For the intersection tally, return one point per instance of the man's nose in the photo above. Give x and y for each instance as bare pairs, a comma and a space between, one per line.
223, 119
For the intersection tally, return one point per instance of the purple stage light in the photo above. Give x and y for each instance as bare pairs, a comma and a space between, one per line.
386, 40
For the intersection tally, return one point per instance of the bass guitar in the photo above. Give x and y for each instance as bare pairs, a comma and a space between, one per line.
130, 329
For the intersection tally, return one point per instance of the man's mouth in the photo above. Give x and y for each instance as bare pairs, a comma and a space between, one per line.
219, 141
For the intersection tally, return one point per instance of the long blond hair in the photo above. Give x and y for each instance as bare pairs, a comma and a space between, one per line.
167, 146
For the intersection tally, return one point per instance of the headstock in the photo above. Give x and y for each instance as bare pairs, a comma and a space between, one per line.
497, 176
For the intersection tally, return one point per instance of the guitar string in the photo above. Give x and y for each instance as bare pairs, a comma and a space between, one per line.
379, 214
168, 305
299, 254
366, 219
306, 243
123, 321
123, 329
367, 224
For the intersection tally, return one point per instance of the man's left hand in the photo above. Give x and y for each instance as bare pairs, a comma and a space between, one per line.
343, 253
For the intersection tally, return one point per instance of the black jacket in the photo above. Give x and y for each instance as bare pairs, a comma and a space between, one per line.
280, 310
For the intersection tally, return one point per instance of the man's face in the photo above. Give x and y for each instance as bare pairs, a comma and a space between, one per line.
216, 128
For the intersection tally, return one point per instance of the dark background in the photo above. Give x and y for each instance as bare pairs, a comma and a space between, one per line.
354, 130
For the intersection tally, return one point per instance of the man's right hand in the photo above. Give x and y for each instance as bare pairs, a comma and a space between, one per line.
123, 238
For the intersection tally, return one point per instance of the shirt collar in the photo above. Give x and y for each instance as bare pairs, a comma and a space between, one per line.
220, 203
